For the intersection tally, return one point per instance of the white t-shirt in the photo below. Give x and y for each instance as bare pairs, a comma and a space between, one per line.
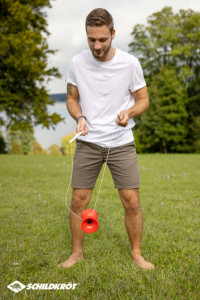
105, 89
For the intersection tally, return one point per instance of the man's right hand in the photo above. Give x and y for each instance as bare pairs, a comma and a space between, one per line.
82, 125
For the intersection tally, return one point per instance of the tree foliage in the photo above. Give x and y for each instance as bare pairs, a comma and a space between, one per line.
2, 144
164, 124
66, 146
54, 150
16, 148
37, 149
23, 64
24, 138
168, 48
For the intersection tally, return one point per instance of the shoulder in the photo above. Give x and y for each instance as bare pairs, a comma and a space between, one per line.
127, 57
81, 57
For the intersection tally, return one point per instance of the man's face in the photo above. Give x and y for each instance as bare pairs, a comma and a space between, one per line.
99, 40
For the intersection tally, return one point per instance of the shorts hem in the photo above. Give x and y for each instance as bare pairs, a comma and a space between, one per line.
82, 187
128, 187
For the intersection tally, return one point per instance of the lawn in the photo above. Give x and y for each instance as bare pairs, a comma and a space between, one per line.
35, 232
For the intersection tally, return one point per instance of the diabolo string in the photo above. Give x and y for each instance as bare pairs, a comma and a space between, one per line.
99, 186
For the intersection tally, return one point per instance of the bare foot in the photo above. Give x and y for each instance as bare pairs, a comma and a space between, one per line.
142, 263
74, 258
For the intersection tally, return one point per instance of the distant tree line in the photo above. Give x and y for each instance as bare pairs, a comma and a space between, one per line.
24, 142
168, 47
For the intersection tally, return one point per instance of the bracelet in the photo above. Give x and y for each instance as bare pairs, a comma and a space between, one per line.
80, 118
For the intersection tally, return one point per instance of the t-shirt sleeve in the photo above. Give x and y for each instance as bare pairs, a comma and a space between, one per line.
137, 80
71, 75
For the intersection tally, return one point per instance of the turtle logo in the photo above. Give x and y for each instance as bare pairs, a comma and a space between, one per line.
16, 286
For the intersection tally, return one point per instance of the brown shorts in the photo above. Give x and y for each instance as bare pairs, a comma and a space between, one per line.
122, 162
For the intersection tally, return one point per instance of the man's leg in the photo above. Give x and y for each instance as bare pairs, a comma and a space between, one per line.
134, 224
80, 200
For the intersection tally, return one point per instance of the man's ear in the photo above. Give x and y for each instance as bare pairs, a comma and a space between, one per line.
113, 34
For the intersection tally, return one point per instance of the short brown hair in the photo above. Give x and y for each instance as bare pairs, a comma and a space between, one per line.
99, 17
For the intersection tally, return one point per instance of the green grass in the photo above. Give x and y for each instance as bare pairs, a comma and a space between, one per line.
35, 231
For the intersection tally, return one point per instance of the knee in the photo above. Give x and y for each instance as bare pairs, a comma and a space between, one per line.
79, 203
76, 204
132, 205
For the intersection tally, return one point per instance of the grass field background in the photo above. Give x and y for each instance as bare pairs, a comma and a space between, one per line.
35, 232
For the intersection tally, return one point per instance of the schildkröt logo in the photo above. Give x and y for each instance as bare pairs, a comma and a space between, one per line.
17, 286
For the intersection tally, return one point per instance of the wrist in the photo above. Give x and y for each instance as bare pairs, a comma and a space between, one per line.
130, 113
77, 120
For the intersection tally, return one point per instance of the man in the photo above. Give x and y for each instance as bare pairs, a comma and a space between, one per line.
104, 82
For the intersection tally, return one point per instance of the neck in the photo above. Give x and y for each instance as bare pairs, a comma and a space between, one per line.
111, 54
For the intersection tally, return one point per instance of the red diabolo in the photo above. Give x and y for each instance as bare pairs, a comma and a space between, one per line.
89, 221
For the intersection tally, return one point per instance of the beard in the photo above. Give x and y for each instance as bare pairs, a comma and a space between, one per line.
102, 53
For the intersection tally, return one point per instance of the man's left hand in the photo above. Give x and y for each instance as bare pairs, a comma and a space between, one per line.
123, 118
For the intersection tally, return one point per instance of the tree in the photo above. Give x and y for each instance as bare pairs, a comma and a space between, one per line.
66, 146
2, 144
25, 139
164, 124
16, 148
54, 150
37, 149
168, 48
23, 64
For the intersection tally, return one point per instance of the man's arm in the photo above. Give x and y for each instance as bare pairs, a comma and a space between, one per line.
140, 106
141, 103
72, 101
74, 108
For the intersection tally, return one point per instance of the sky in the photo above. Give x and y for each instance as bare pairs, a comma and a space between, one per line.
66, 21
